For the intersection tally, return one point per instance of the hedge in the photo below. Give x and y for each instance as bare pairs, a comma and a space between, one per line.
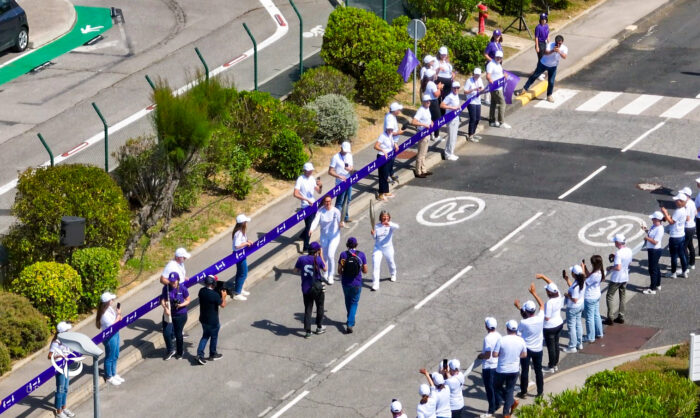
4, 359
99, 270
335, 117
23, 329
320, 81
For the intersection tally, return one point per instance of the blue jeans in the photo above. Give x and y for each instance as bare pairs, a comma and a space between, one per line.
111, 355
341, 200
505, 385
573, 323
654, 269
61, 391
209, 331
241, 275
676, 246
551, 74
492, 395
352, 299
594, 323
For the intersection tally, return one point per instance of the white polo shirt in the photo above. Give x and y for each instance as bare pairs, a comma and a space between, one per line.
657, 234
338, 163
495, 70
108, 318
442, 398
423, 116
386, 142
530, 329
455, 383
691, 211
427, 410
623, 257
552, 60
470, 84
307, 187
490, 341
593, 286
577, 293
509, 349
444, 69
390, 122
431, 89
552, 310
174, 266
677, 229
451, 100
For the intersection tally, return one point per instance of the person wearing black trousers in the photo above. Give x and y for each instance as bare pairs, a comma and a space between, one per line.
553, 323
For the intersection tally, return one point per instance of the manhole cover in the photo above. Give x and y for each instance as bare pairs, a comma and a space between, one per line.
649, 187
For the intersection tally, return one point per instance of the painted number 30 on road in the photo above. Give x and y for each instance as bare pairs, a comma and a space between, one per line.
450, 211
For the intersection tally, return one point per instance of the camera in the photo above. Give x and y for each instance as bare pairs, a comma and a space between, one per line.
221, 285
611, 258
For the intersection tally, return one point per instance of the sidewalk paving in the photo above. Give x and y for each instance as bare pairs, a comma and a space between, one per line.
607, 21
48, 20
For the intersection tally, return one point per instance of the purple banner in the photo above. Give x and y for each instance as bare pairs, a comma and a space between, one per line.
233, 258
510, 85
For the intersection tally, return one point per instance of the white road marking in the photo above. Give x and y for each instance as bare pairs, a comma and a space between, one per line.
552, 212
642, 136
599, 233
501, 252
515, 231
450, 211
280, 31
598, 101
351, 347
360, 350
698, 96
680, 109
582, 182
443, 287
309, 378
290, 404
330, 362
560, 96
265, 411
639, 105
288, 394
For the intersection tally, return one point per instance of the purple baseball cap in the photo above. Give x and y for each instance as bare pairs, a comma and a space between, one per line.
314, 246
352, 242
174, 277
497, 32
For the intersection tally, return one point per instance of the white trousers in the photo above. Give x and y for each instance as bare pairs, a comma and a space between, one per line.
377, 255
452, 129
330, 245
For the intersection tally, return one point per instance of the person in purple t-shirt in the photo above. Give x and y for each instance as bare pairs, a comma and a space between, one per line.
493, 46
351, 265
174, 300
312, 268
541, 38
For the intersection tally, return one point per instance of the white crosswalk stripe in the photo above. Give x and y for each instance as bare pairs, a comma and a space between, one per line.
596, 102
640, 104
560, 97
680, 109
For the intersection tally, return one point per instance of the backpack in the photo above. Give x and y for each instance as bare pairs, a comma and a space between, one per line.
352, 266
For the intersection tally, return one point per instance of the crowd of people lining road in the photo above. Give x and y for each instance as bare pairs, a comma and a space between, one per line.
504, 357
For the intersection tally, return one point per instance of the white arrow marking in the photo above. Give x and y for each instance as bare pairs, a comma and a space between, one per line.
87, 29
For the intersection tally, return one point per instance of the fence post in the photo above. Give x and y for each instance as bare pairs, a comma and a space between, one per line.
41, 138
153, 86
104, 123
384, 10
206, 67
301, 39
255, 56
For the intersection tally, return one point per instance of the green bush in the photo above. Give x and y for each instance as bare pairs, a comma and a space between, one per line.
468, 52
99, 270
226, 164
53, 288
457, 10
287, 154
23, 329
4, 359
189, 189
513, 7
379, 83
46, 194
621, 394
321, 81
214, 98
335, 117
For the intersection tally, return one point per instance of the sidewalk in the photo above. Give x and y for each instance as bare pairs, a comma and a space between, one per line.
139, 340
48, 20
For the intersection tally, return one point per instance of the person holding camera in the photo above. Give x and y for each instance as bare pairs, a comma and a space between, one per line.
553, 323
351, 265
58, 351
574, 308
106, 317
209, 302
439, 392
174, 299
654, 246
312, 269
530, 329
690, 226
240, 241
619, 276
304, 190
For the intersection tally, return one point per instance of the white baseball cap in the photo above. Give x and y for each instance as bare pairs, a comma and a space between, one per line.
656, 215
576, 268
242, 218
429, 73
530, 306
499, 54
618, 238
63, 327
424, 390
438, 379
395, 106
477, 71
308, 167
512, 325
426, 98
551, 287
454, 364
428, 59
396, 406
686, 191
181, 252
442, 50
107, 296
490, 322
680, 196
455, 84
345, 146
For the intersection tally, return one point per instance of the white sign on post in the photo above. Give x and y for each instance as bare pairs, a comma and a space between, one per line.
694, 372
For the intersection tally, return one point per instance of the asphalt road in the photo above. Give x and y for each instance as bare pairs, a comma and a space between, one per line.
472, 238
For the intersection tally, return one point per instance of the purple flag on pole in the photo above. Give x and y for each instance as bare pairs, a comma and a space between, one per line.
408, 63
511, 83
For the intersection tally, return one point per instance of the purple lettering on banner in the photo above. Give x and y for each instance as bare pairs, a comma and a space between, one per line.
233, 258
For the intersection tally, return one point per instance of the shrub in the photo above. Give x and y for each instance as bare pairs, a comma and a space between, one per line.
513, 7
287, 154
336, 119
379, 83
214, 98
189, 189
46, 194
23, 329
53, 288
457, 10
99, 270
679, 350
226, 164
468, 52
239, 182
4, 359
319, 82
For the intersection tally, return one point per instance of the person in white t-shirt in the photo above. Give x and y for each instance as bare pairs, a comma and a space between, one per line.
328, 217
434, 91
451, 103
591, 298
549, 62
422, 120
440, 392
697, 216
473, 88
653, 243
676, 232
454, 382
690, 226
391, 121
240, 241
341, 167
553, 324
58, 351
574, 308
619, 276
445, 72
494, 71
509, 350
304, 190
107, 315
427, 405
530, 329
385, 144
177, 265
488, 368
397, 409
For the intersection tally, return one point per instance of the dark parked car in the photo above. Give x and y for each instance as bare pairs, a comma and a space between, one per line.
14, 29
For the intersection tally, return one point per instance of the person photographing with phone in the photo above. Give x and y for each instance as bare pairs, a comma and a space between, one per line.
312, 269
174, 299
107, 316
304, 190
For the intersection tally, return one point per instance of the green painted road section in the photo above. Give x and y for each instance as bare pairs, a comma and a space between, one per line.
90, 22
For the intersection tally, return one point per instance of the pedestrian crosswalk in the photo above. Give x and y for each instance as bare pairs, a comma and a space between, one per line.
623, 103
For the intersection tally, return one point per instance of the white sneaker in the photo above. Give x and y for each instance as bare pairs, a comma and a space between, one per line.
393, 278
68, 412
649, 292
569, 350
114, 381
541, 77
692, 267
60, 415
494, 124
487, 415
116, 376
685, 274
546, 369
439, 139
375, 288
245, 292
330, 280
240, 297
671, 275
453, 157
475, 138
580, 347
505, 125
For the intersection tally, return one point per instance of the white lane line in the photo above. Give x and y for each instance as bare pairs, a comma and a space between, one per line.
351, 347
280, 31
552, 212
443, 287
501, 252
598, 101
582, 182
360, 350
639, 105
515, 231
560, 97
330, 362
288, 394
265, 411
290, 404
642, 136
680, 109
309, 378
698, 96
